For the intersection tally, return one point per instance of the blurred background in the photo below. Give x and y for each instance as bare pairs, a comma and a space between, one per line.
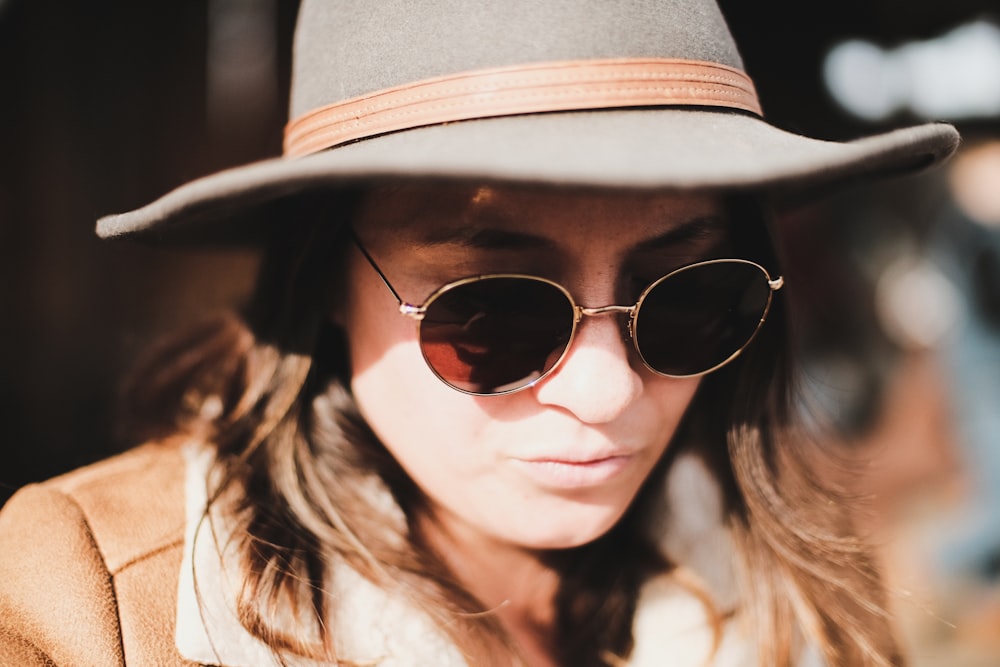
896, 287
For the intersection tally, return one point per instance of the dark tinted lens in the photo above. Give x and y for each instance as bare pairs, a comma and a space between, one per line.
497, 334
699, 317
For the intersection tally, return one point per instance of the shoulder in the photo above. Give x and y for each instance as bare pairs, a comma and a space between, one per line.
133, 503
89, 559
128, 506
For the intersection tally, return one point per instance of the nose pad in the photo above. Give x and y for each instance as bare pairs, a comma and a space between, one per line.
628, 330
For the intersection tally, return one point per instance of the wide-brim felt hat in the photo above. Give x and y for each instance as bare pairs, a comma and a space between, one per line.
598, 93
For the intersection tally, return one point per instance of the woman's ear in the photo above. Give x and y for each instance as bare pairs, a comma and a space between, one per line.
334, 212
334, 303
335, 314
335, 291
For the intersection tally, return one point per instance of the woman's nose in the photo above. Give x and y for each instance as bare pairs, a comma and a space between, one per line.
597, 379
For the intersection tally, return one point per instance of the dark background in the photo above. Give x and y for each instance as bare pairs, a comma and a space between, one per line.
106, 104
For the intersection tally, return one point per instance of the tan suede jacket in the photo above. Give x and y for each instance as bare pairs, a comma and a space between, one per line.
92, 573
89, 565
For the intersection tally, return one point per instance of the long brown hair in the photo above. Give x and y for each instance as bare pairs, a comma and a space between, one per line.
268, 388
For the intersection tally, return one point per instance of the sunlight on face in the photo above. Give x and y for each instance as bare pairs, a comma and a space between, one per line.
557, 464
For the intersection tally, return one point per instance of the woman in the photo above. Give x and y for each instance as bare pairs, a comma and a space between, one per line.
514, 387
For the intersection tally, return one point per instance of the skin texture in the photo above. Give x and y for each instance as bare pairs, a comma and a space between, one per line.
555, 465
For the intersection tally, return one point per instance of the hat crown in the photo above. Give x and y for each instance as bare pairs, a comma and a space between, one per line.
609, 93
349, 48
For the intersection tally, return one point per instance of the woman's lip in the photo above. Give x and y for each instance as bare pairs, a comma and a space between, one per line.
570, 474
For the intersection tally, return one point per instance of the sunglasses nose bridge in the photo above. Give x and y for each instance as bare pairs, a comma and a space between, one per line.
582, 311
604, 310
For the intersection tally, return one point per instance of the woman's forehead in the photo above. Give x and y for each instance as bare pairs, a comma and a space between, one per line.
462, 212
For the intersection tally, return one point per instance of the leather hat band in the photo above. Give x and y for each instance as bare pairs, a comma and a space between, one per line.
532, 88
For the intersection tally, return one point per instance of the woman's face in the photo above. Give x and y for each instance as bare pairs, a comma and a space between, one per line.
557, 464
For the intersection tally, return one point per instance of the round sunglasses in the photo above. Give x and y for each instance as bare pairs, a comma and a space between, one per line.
496, 334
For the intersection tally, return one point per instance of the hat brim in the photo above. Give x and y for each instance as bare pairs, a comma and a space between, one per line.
631, 148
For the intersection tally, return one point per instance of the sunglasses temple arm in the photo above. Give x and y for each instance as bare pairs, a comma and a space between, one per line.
371, 260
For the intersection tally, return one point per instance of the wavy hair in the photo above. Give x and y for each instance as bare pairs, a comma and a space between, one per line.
269, 389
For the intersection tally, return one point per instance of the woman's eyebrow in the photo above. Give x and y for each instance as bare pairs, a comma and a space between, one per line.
702, 228
709, 227
486, 238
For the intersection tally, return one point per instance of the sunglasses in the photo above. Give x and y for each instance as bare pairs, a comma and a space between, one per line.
500, 333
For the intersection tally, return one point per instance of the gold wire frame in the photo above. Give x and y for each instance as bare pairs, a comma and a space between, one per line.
417, 312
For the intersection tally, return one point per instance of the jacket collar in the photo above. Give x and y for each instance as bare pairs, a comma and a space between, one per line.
671, 624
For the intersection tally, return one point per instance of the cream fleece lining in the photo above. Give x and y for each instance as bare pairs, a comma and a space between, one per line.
671, 625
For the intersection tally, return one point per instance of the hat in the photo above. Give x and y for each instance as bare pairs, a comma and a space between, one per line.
619, 93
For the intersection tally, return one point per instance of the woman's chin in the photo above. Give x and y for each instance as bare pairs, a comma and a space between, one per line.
563, 532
